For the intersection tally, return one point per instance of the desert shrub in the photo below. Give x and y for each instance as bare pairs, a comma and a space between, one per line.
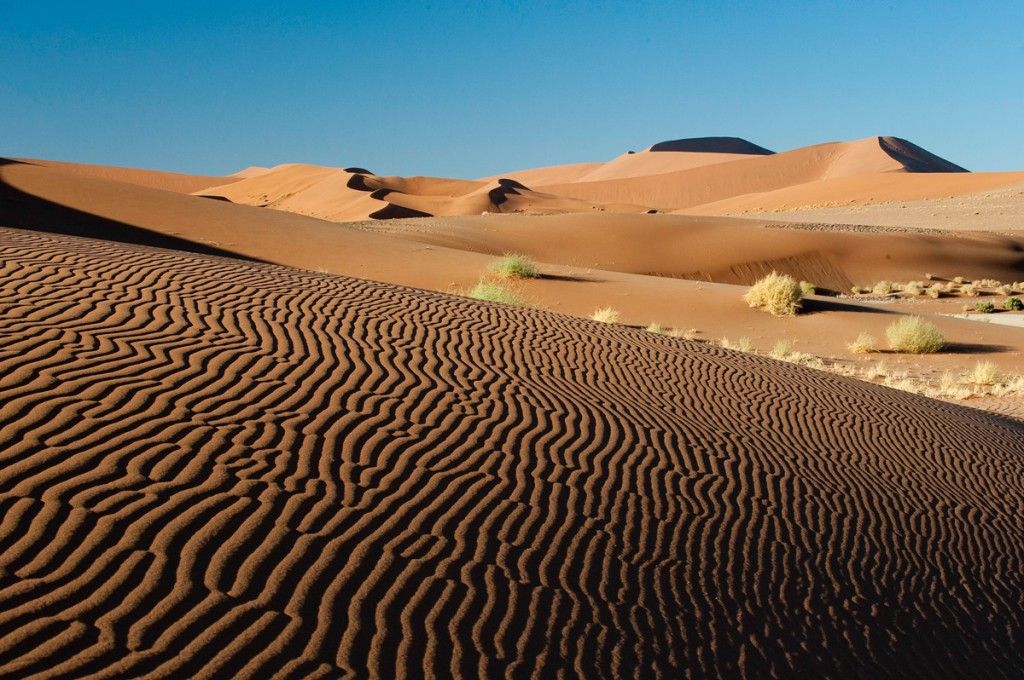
655, 327
958, 279
970, 290
495, 291
914, 335
514, 266
935, 290
777, 294
858, 290
984, 307
1005, 289
928, 276
1013, 304
807, 288
864, 344
913, 288
886, 287
988, 283
744, 344
605, 315
985, 373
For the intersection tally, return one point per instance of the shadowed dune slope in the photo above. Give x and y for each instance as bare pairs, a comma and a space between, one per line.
732, 145
213, 468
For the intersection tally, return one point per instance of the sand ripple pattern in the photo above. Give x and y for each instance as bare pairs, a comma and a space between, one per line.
220, 469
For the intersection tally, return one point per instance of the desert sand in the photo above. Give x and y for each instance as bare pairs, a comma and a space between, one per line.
253, 425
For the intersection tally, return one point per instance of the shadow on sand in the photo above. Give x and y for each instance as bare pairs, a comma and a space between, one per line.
25, 211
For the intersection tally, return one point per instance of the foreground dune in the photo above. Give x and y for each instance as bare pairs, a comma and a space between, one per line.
214, 468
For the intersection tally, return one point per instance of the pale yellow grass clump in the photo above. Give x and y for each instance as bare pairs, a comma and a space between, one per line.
777, 294
914, 335
985, 373
886, 288
864, 344
605, 315
782, 349
655, 327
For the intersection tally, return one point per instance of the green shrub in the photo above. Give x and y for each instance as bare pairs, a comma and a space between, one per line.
777, 294
984, 307
495, 291
514, 266
1013, 304
914, 335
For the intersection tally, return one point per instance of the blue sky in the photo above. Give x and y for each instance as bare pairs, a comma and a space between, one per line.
474, 89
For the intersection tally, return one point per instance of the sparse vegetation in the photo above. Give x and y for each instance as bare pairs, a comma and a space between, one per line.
1013, 304
514, 266
969, 289
808, 288
496, 291
886, 288
605, 315
914, 288
914, 335
777, 294
655, 327
864, 344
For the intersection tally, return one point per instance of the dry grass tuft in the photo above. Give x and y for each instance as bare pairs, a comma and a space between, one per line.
777, 294
605, 315
914, 335
985, 373
864, 344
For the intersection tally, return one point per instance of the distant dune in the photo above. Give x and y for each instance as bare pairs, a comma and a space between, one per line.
214, 468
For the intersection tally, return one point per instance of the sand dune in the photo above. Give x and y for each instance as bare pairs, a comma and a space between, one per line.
868, 189
713, 175
155, 179
215, 468
350, 195
631, 262
701, 185
720, 249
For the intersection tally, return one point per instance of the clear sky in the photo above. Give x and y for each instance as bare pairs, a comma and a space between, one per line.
478, 88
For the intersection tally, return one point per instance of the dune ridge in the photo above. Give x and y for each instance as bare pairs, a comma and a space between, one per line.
215, 468
154, 179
